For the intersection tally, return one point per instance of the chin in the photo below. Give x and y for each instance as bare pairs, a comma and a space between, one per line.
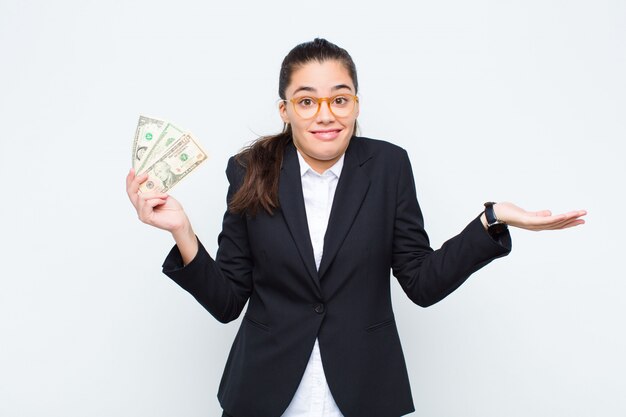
331, 152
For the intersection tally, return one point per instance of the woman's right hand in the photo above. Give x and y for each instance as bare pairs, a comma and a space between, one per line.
156, 209
162, 211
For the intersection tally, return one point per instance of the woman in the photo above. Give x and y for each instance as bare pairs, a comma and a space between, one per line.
317, 218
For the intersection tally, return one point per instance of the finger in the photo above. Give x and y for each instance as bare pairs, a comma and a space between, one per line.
150, 195
129, 177
543, 222
567, 224
147, 208
576, 222
153, 202
136, 182
574, 213
570, 216
577, 213
129, 187
141, 178
143, 198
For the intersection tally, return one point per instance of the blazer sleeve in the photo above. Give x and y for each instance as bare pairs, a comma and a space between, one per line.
426, 275
222, 286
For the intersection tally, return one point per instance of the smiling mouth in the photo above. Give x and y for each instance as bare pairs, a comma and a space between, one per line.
326, 134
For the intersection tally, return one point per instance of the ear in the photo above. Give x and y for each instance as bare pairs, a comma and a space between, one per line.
282, 109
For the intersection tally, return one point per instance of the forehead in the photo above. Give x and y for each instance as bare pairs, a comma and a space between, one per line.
320, 76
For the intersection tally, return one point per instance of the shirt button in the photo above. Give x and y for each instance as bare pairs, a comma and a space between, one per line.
319, 308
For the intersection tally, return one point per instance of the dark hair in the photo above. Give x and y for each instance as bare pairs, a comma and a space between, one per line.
264, 157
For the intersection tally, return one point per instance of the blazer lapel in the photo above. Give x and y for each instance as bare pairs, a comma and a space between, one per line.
351, 190
291, 202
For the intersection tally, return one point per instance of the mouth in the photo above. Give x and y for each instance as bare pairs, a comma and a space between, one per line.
326, 134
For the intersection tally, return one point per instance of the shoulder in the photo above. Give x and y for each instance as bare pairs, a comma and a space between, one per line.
236, 169
378, 150
378, 146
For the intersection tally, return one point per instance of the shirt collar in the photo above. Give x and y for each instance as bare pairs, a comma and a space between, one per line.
335, 169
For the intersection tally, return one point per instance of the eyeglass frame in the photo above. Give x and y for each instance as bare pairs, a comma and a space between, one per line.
319, 103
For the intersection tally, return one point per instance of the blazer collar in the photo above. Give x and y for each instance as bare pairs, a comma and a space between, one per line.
335, 169
351, 190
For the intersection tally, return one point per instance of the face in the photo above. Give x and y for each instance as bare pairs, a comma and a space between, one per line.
322, 139
162, 171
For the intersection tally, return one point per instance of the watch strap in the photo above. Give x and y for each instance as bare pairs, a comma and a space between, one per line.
494, 226
490, 213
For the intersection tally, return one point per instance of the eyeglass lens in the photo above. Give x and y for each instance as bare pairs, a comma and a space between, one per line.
308, 107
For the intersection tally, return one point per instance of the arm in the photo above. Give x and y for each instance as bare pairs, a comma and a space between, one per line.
222, 286
428, 276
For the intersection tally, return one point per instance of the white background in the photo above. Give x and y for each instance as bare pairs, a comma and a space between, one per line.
494, 100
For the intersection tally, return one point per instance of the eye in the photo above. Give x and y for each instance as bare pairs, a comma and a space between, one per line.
341, 100
306, 102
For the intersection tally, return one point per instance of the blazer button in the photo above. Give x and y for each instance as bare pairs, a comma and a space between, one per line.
319, 308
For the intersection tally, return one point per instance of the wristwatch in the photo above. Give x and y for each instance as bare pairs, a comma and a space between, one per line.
494, 226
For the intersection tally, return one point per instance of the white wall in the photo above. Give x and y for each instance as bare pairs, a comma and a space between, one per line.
495, 100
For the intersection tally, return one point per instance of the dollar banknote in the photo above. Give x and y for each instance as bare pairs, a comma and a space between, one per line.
169, 135
182, 156
148, 131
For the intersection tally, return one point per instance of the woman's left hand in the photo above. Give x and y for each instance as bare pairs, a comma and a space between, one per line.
535, 220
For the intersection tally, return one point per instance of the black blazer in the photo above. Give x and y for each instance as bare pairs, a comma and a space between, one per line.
375, 227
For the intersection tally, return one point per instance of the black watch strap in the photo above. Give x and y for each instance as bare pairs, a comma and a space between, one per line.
494, 226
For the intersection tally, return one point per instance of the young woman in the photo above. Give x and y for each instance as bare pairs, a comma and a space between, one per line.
317, 219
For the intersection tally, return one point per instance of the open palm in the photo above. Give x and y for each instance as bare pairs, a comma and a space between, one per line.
537, 220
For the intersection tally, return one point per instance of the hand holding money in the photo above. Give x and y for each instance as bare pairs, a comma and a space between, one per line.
162, 156
165, 152
155, 208
163, 211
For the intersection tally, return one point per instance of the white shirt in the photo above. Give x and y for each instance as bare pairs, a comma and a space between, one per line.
313, 397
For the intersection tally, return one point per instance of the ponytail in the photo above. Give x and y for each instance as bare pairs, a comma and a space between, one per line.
262, 161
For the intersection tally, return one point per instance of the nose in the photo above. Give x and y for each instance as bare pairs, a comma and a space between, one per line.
325, 115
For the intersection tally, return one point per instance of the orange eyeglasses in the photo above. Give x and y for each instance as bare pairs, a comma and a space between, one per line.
340, 105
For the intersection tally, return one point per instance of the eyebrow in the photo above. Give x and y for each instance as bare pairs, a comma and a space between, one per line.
313, 90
